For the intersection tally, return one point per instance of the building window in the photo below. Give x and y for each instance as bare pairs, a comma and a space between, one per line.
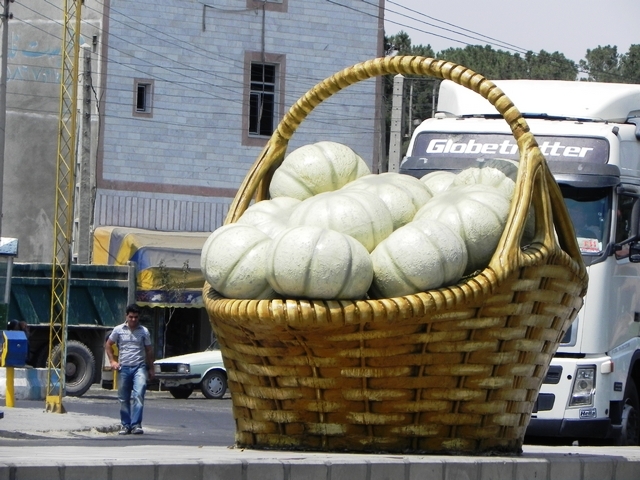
264, 96
142, 97
262, 99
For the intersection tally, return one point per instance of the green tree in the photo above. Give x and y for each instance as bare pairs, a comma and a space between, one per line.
602, 64
550, 66
501, 65
399, 42
493, 64
630, 65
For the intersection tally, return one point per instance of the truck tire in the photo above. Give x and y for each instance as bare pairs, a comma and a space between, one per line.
630, 434
80, 368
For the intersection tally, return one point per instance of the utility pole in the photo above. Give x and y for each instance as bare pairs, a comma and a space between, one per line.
433, 98
3, 94
82, 223
410, 122
395, 141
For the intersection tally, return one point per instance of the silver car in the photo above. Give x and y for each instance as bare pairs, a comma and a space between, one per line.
184, 373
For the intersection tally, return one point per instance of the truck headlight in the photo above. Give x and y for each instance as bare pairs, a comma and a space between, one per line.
157, 368
583, 387
183, 368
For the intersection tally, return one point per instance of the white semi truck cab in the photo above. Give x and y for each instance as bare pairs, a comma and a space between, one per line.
590, 135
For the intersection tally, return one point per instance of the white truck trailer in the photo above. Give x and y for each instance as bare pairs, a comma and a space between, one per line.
590, 135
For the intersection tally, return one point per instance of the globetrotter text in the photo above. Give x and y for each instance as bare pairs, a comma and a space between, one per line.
506, 147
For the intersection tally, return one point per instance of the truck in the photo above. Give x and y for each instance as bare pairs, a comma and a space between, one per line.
589, 133
98, 296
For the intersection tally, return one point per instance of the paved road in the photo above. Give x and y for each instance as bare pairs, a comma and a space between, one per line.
194, 421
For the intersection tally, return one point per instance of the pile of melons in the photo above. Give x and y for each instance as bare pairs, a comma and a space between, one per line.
333, 230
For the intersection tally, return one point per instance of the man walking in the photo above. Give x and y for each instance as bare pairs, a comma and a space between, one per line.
135, 362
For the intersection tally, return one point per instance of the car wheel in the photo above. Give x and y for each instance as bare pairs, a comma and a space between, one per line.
214, 384
630, 434
181, 392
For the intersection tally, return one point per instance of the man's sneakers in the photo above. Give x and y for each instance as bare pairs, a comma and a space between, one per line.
135, 430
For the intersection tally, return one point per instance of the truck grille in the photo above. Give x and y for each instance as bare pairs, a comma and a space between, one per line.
553, 375
544, 402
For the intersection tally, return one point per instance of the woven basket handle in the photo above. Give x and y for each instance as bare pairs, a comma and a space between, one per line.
534, 186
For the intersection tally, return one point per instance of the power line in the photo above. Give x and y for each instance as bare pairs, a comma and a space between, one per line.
172, 70
492, 40
475, 34
415, 28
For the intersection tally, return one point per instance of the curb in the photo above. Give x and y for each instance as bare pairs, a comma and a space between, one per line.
217, 463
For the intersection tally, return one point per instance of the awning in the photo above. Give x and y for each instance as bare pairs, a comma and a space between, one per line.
167, 263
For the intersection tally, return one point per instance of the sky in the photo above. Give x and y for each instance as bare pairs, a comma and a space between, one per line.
566, 26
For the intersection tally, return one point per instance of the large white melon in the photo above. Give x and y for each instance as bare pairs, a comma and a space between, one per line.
313, 262
402, 194
358, 213
233, 262
438, 181
269, 216
485, 176
417, 257
478, 213
316, 168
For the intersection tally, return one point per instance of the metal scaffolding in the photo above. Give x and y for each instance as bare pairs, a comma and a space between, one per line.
65, 189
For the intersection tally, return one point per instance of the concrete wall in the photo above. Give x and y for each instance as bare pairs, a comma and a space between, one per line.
28, 383
33, 77
33, 104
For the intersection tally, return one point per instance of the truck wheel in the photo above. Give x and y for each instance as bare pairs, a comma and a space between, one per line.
181, 392
214, 384
630, 434
80, 367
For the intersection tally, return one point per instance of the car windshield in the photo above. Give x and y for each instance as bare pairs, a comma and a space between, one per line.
589, 210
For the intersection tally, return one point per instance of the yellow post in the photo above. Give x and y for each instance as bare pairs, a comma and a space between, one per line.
10, 396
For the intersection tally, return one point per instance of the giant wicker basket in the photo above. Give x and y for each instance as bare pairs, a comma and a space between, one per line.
454, 370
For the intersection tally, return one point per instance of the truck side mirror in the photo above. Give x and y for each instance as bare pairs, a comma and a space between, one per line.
634, 252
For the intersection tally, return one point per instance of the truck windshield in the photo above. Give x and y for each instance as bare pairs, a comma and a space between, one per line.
590, 212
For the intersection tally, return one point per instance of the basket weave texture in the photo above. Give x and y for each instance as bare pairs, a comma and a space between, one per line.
454, 370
